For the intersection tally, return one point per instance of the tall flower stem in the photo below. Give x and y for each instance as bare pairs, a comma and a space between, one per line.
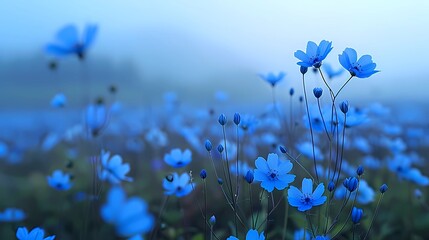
311, 129
158, 220
373, 217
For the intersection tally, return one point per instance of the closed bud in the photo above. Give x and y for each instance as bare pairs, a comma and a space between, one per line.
303, 70
249, 176
356, 215
291, 91
331, 186
344, 107
220, 181
301, 98
360, 171
222, 119
237, 118
203, 174
212, 220
208, 145
351, 183
317, 92
283, 149
383, 188
220, 148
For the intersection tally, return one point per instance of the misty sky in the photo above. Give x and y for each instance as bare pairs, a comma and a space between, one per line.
194, 38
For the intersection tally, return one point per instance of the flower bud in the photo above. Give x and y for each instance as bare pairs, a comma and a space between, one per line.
203, 174
222, 119
303, 70
356, 215
212, 220
237, 118
360, 170
208, 145
220, 181
344, 106
291, 91
383, 188
249, 176
351, 183
220, 148
331, 186
283, 149
317, 92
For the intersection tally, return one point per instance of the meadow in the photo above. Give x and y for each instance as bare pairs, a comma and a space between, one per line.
306, 165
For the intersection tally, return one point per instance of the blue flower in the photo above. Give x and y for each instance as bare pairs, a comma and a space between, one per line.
68, 43
12, 215
177, 159
321, 237
59, 181
314, 55
299, 235
96, 117
356, 215
362, 68
35, 234
179, 185
59, 100
273, 79
113, 170
129, 216
273, 173
306, 199
330, 71
251, 235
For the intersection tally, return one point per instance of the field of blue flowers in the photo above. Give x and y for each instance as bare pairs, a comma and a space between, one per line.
313, 167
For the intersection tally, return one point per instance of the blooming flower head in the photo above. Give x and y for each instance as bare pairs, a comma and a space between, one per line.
273, 173
306, 199
60, 181
362, 68
178, 158
12, 215
314, 54
177, 185
129, 216
35, 234
113, 170
272, 78
67, 41
251, 235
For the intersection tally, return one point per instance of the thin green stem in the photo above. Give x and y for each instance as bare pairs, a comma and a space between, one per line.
373, 217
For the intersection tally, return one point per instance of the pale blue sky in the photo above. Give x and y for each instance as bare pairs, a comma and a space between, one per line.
255, 36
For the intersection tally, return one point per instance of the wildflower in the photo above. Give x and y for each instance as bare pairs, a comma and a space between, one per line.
351, 183
362, 68
303, 71
356, 215
59, 100
344, 107
317, 92
68, 43
272, 78
321, 237
208, 145
360, 170
60, 181
291, 91
222, 119
330, 71
220, 181
176, 158
113, 170
237, 118
283, 149
179, 186
220, 148
203, 174
300, 233
383, 188
331, 186
365, 196
251, 235
35, 234
249, 177
306, 199
129, 216
96, 117
212, 220
12, 215
273, 173
314, 54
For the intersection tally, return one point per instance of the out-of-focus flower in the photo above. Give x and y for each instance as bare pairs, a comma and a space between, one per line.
272, 78
59, 100
60, 181
330, 71
12, 215
67, 41
251, 235
129, 216
113, 170
178, 158
179, 185
35, 234
96, 117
